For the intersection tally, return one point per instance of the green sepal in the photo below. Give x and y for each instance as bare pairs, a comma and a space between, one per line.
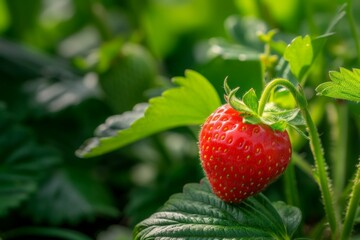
236, 103
226, 86
274, 113
274, 116
251, 119
279, 125
280, 118
250, 99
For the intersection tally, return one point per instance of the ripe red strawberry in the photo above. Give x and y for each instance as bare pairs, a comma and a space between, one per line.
241, 159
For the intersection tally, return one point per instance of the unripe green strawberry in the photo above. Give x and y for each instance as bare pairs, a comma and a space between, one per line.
241, 159
129, 75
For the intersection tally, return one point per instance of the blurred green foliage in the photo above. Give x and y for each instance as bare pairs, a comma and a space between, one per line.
66, 66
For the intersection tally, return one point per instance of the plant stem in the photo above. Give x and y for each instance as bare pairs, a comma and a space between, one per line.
352, 207
347, 190
315, 145
352, 24
268, 89
321, 167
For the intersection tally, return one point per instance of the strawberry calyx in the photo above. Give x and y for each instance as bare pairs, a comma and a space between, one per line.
276, 117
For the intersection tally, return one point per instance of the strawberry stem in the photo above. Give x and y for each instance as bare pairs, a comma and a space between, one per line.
315, 144
352, 207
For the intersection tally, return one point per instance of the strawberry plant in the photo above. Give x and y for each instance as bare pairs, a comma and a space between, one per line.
244, 146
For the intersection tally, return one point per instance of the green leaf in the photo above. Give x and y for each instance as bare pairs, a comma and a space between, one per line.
70, 187
122, 121
291, 216
198, 214
189, 104
302, 52
300, 55
23, 162
344, 84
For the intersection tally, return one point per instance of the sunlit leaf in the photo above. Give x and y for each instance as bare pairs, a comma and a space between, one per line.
122, 121
299, 54
302, 51
344, 84
189, 104
198, 214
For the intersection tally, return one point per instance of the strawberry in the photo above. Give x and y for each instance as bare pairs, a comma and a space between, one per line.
238, 158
